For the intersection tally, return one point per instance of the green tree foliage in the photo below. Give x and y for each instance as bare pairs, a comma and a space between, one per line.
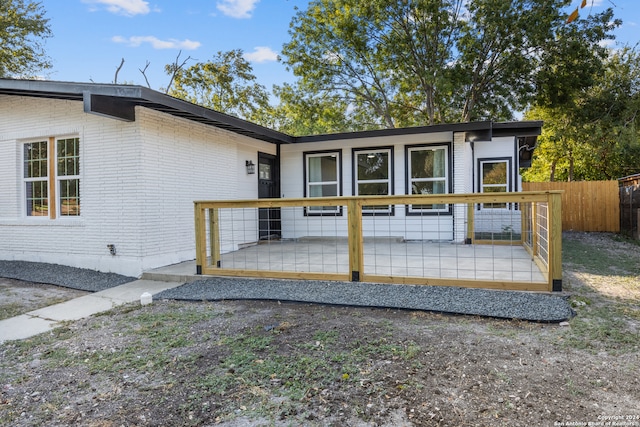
595, 135
300, 113
226, 84
416, 62
23, 27
572, 60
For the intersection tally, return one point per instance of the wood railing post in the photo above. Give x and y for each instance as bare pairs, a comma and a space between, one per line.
524, 223
470, 224
535, 220
356, 253
534, 229
555, 241
214, 236
201, 242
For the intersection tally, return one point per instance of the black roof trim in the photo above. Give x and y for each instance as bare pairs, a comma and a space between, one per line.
522, 128
474, 131
124, 98
457, 127
127, 97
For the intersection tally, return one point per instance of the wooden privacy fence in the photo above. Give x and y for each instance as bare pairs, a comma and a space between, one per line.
586, 205
339, 238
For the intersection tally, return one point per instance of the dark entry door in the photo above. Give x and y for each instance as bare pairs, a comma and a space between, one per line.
268, 187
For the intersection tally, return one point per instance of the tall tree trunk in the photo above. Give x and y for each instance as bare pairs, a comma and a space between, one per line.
571, 161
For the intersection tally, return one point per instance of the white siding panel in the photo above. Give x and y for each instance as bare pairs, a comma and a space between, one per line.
497, 220
295, 225
462, 168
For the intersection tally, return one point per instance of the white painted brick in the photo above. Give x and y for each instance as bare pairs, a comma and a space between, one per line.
138, 184
139, 180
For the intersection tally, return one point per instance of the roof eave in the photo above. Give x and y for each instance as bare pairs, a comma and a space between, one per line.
473, 131
119, 102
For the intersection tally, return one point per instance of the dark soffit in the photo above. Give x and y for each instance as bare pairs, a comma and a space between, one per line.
119, 101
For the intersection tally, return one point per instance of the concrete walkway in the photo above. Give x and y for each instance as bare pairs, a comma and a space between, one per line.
45, 319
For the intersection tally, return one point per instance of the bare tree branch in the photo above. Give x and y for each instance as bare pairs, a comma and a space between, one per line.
115, 79
175, 68
143, 71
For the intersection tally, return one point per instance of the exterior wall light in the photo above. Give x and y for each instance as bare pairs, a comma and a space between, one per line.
251, 167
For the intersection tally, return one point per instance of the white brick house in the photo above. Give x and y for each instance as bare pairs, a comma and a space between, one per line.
104, 176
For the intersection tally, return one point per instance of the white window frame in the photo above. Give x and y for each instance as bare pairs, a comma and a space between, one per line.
385, 210
26, 179
53, 179
445, 208
322, 210
63, 178
506, 185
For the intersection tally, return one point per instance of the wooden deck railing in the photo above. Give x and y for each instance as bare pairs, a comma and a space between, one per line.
224, 228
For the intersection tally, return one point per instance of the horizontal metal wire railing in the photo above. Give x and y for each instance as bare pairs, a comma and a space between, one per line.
505, 241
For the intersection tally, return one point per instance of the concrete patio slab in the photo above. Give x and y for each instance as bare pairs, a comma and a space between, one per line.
382, 258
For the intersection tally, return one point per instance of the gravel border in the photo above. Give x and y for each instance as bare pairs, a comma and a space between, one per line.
442, 299
62, 275
529, 306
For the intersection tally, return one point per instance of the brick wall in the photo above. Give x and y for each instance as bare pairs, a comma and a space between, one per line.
138, 183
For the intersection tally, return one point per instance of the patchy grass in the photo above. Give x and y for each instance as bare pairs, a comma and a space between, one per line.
256, 371
18, 297
604, 259
10, 309
603, 283
602, 329
265, 363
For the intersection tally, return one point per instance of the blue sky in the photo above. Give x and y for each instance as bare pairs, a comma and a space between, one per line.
90, 37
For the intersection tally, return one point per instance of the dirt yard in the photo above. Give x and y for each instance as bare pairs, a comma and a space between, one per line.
18, 297
267, 363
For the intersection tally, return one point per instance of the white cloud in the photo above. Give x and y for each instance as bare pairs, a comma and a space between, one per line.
156, 43
261, 54
237, 8
123, 7
332, 57
591, 3
607, 43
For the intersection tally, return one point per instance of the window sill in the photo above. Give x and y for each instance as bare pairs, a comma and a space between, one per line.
43, 222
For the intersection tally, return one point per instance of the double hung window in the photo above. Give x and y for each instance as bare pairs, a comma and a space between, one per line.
428, 173
36, 178
373, 175
52, 177
322, 179
494, 178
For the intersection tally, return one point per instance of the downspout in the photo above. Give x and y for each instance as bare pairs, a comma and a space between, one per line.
473, 166
279, 167
516, 170
468, 241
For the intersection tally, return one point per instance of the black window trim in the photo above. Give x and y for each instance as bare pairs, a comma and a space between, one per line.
510, 183
354, 171
449, 184
337, 151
